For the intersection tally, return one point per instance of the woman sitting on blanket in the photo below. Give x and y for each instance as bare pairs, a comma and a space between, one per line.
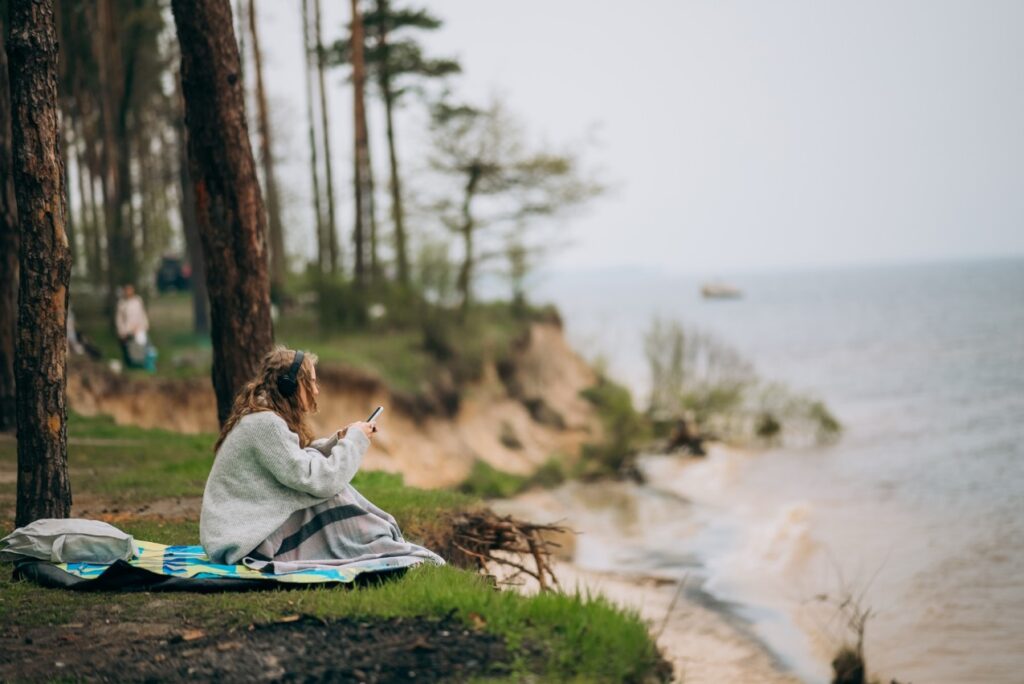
280, 501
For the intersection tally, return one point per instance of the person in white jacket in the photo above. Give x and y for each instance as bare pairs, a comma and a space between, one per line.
276, 499
132, 323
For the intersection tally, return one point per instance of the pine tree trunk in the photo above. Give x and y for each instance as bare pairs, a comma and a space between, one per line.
397, 212
106, 50
124, 246
278, 258
361, 155
8, 251
384, 81
45, 266
371, 204
98, 217
84, 221
322, 247
190, 227
331, 227
88, 135
229, 208
464, 282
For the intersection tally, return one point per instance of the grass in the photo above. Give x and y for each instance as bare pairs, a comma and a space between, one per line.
577, 636
555, 636
130, 466
625, 429
393, 350
487, 482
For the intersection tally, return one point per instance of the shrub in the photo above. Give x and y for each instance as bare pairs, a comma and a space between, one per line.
698, 378
624, 428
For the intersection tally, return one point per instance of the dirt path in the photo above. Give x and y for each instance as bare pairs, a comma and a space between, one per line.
178, 508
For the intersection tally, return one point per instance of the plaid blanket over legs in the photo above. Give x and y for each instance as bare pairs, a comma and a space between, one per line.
345, 531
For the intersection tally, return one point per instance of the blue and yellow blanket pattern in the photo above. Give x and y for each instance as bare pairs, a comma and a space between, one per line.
192, 562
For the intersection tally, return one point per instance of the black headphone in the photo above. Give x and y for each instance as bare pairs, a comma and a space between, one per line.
288, 384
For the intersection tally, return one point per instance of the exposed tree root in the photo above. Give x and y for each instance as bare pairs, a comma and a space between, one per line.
483, 539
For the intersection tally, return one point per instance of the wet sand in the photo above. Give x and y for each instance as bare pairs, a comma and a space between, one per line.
700, 636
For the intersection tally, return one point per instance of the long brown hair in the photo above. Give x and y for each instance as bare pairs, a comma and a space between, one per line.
261, 394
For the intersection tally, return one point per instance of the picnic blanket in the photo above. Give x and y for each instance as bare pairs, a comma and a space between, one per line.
158, 567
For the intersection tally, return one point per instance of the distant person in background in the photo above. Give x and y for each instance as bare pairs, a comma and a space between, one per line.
132, 327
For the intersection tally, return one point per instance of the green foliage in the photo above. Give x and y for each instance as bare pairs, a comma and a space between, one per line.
340, 305
488, 333
550, 474
486, 481
698, 377
389, 62
434, 273
625, 430
495, 179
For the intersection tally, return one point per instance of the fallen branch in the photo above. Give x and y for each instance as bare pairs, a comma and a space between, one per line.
486, 539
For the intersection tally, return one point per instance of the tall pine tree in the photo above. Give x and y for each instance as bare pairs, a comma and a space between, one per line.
397, 65
45, 266
8, 250
229, 207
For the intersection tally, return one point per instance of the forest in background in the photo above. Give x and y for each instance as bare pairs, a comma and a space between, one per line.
124, 143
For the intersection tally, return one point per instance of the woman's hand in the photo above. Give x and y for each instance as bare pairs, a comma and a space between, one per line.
367, 429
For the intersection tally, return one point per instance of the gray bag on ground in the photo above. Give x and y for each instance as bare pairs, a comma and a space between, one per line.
68, 540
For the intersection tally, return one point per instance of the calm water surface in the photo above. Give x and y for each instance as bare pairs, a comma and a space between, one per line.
922, 500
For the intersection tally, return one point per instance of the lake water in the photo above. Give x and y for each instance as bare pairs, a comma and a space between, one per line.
920, 504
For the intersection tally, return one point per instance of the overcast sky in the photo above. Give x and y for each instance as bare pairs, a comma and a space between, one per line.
735, 136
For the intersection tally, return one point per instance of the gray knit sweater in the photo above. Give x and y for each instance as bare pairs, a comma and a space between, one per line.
261, 476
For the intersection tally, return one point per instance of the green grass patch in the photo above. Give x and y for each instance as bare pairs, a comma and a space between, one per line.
408, 348
556, 637
625, 429
130, 465
572, 635
487, 482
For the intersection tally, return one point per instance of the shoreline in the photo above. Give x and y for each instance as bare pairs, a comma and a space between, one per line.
705, 639
704, 643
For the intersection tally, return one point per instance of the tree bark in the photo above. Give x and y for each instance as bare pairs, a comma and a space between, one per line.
464, 282
84, 222
45, 265
331, 226
397, 211
8, 251
92, 160
322, 253
278, 259
190, 227
98, 216
106, 48
361, 155
229, 208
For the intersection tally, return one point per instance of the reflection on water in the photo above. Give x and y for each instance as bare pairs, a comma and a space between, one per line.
924, 365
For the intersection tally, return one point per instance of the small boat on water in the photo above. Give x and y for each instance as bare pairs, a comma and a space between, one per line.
720, 291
